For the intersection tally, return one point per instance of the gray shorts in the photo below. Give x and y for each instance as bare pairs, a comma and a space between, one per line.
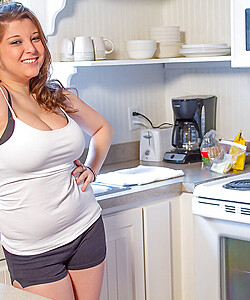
86, 251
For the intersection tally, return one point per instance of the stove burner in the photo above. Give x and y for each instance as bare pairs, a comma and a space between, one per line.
241, 185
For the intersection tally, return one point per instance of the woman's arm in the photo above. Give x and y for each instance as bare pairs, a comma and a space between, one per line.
101, 133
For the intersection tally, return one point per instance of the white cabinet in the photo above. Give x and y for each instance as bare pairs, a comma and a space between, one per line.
139, 261
4, 274
124, 271
187, 248
157, 237
1, 253
240, 33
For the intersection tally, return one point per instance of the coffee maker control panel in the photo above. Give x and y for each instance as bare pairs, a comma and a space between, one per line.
184, 157
174, 157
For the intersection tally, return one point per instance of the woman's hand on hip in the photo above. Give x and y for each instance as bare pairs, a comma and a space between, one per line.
83, 175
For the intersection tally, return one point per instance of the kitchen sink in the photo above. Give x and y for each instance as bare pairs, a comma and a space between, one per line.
101, 189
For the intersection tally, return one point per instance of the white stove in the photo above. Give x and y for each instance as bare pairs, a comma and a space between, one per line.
221, 220
225, 199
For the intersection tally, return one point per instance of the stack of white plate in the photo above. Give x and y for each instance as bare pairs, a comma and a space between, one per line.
140, 49
168, 40
201, 50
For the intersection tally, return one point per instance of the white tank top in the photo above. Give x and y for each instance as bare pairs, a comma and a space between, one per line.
41, 206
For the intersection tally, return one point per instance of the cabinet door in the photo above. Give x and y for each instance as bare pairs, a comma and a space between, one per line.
157, 238
1, 253
124, 270
187, 241
4, 273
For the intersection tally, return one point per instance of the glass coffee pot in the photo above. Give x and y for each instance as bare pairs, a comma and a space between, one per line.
186, 135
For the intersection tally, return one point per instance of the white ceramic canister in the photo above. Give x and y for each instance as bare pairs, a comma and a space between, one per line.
67, 50
84, 48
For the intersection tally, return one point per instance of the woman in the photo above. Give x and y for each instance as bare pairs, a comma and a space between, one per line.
50, 223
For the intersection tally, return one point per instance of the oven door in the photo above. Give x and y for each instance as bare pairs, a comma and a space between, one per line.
222, 259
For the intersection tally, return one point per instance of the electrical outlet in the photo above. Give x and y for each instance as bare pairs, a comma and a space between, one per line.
132, 119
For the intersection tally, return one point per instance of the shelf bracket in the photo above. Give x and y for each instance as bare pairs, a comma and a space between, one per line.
63, 72
46, 11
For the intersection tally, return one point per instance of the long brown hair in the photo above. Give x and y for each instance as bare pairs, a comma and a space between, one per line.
48, 93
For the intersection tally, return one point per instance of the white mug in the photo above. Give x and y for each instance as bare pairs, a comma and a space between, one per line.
84, 48
100, 47
66, 52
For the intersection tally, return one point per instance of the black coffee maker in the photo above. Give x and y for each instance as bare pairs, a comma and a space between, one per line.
194, 116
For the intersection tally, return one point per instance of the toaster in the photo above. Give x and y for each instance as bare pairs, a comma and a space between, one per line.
154, 143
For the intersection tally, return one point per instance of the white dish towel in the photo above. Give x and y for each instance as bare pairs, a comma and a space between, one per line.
138, 175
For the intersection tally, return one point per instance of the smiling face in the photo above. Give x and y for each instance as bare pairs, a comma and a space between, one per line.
21, 51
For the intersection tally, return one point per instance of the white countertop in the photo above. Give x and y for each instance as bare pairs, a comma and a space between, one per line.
8, 292
194, 173
142, 194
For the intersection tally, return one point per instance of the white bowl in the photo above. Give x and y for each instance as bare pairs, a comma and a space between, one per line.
166, 50
141, 53
141, 47
166, 39
140, 43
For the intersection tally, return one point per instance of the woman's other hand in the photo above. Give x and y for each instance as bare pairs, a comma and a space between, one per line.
83, 175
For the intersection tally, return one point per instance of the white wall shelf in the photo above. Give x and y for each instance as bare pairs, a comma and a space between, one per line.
142, 61
64, 70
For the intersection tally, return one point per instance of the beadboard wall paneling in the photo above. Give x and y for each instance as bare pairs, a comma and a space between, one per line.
201, 21
111, 90
118, 20
231, 86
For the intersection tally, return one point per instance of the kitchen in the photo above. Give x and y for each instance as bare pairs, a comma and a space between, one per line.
150, 87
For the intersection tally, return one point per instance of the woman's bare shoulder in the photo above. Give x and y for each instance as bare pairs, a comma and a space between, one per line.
73, 100
70, 95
